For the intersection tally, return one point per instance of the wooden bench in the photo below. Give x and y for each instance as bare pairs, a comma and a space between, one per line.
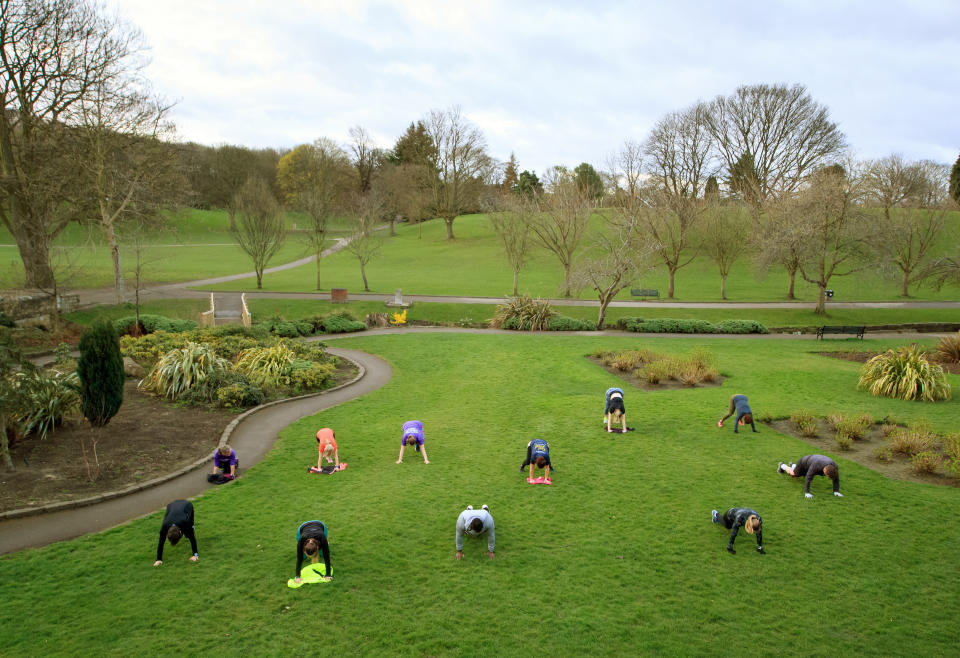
842, 329
644, 292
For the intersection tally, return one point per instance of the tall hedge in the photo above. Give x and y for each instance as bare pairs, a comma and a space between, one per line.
100, 369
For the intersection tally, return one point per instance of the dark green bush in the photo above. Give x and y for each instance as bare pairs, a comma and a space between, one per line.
565, 323
152, 323
339, 323
239, 395
674, 326
6, 320
740, 327
629, 323
100, 369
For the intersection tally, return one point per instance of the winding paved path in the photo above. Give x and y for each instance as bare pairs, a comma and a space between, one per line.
252, 438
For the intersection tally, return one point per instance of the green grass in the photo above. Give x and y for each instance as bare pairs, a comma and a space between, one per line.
195, 245
618, 557
474, 265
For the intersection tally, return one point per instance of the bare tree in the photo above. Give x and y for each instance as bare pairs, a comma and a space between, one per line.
364, 243
725, 237
461, 163
511, 218
365, 156
781, 129
52, 54
625, 169
123, 162
779, 240
561, 220
260, 224
315, 180
914, 200
622, 253
835, 227
679, 155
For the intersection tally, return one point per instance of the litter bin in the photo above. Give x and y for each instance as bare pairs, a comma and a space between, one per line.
338, 295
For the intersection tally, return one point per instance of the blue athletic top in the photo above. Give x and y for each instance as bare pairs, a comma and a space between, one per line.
540, 448
740, 404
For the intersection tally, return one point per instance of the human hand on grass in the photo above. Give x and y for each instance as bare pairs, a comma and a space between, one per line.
327, 578
458, 555
158, 563
194, 558
490, 555
399, 461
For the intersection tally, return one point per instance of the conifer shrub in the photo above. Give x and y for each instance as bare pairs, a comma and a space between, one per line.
100, 371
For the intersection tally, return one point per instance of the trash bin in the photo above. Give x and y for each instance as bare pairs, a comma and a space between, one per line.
338, 295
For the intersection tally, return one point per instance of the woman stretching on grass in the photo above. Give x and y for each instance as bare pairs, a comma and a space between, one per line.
312, 538
738, 404
413, 436
811, 465
177, 523
735, 518
326, 449
613, 408
538, 454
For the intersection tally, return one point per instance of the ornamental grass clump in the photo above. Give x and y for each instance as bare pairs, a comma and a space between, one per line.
805, 422
913, 440
905, 374
925, 462
45, 398
265, 365
951, 452
948, 349
524, 314
181, 369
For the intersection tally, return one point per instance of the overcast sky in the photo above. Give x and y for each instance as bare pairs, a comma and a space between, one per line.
554, 82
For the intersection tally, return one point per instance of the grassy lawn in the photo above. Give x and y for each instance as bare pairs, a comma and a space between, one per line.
196, 244
618, 557
474, 265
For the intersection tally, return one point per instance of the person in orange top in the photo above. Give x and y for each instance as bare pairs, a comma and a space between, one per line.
327, 447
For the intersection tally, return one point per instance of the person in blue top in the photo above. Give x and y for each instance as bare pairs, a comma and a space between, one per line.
538, 454
413, 436
613, 408
738, 404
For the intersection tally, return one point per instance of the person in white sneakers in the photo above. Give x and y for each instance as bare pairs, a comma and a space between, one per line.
811, 465
475, 523
740, 517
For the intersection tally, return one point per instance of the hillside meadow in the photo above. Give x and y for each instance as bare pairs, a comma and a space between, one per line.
618, 557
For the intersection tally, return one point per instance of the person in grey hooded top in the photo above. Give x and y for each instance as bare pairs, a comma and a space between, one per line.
475, 523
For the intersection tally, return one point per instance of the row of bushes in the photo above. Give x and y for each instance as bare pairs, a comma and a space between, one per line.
332, 323
681, 326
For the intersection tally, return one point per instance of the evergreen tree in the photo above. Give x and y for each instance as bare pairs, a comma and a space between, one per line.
510, 178
743, 179
955, 181
528, 184
589, 181
100, 369
415, 146
712, 188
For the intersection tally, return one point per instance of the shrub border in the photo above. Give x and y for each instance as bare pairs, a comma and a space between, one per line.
224, 437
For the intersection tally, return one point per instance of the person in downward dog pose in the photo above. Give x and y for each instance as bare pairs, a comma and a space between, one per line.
811, 465
738, 404
538, 455
413, 436
475, 523
735, 518
613, 409
177, 523
311, 540
327, 449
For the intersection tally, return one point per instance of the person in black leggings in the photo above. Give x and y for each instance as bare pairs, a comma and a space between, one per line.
810, 465
311, 539
177, 523
735, 518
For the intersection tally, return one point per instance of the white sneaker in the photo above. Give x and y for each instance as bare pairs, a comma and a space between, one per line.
469, 506
780, 467
485, 508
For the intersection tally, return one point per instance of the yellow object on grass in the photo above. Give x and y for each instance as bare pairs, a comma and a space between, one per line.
312, 573
399, 318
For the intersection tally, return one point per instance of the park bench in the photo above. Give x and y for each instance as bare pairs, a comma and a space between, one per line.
644, 292
842, 329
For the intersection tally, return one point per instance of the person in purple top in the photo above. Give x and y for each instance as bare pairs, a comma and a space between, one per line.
413, 436
811, 465
225, 465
